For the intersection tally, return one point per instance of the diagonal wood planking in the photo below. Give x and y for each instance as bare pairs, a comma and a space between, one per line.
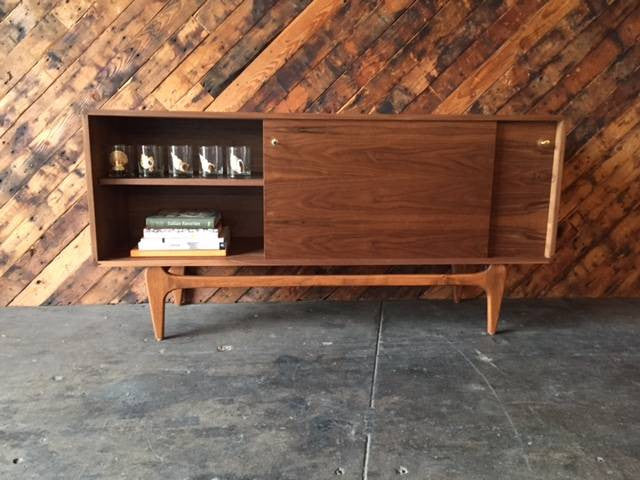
578, 58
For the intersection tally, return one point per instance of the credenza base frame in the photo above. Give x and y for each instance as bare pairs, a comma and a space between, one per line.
163, 280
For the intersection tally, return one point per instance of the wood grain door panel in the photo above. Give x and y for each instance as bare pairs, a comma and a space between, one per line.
521, 190
392, 189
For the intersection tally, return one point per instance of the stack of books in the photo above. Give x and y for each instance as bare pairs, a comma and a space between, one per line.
171, 234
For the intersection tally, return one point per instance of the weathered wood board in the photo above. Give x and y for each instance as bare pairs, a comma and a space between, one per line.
576, 58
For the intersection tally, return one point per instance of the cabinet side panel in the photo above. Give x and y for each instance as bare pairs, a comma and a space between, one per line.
384, 189
107, 205
521, 188
89, 175
556, 188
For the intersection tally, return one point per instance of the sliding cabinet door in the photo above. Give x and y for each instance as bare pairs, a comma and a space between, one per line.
523, 191
377, 188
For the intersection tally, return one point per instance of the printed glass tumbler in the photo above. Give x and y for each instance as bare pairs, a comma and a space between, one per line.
180, 161
121, 161
150, 161
238, 161
210, 161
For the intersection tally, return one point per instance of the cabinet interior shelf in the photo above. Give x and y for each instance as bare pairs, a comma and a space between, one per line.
202, 182
243, 250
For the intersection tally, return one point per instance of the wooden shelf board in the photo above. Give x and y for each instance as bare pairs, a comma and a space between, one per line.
321, 116
256, 258
200, 182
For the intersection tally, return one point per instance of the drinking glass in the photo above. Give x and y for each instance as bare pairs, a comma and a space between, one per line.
210, 160
180, 161
238, 161
150, 161
121, 161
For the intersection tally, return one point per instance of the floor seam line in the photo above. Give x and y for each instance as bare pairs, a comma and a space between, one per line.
372, 399
367, 450
372, 393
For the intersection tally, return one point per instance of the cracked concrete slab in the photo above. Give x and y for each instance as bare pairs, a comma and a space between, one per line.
552, 397
87, 393
284, 391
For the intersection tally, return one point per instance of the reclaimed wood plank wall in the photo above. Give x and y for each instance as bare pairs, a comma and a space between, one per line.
578, 58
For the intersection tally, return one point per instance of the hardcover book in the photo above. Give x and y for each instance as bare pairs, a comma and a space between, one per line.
178, 253
176, 244
183, 219
183, 233
156, 247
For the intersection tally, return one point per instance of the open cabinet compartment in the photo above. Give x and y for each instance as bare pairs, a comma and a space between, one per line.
119, 209
107, 130
241, 211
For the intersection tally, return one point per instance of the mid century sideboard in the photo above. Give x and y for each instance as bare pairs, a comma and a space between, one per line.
340, 190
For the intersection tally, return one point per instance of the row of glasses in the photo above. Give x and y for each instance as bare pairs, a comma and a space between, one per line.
209, 161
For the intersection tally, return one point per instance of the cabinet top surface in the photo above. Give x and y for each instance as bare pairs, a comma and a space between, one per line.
321, 116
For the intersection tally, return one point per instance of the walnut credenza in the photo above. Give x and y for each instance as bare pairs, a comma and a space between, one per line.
340, 190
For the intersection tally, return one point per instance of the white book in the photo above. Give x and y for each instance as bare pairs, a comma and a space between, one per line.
209, 239
159, 244
182, 233
215, 243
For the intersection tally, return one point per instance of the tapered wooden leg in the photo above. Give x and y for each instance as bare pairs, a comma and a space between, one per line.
178, 294
496, 276
156, 279
457, 290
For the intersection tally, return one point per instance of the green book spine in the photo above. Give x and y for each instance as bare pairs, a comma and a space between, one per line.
177, 222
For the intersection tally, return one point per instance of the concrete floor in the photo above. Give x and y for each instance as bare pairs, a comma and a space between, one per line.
318, 390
